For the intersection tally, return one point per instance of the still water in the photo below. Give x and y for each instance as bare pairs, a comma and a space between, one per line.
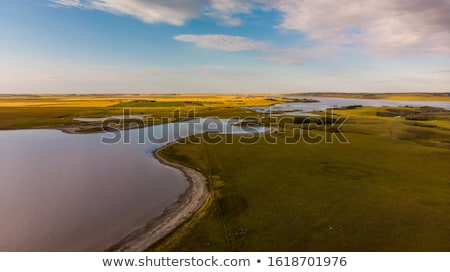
325, 103
65, 192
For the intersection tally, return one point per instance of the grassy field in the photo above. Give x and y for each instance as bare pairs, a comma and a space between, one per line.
58, 111
388, 189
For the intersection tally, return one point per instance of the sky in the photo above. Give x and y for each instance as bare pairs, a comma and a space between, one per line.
224, 46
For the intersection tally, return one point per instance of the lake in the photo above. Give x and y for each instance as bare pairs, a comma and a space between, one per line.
71, 192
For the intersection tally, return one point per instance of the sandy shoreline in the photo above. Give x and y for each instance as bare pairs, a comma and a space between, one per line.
173, 216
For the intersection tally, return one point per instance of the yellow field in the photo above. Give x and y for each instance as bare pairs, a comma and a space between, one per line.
58, 111
417, 97
110, 100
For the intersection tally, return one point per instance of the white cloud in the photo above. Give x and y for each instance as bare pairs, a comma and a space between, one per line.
224, 10
150, 11
232, 6
68, 3
382, 26
168, 11
223, 42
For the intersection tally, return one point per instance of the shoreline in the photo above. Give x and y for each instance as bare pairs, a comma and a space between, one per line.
173, 216
187, 204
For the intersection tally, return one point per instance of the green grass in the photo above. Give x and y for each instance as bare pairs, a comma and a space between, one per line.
387, 190
41, 117
50, 111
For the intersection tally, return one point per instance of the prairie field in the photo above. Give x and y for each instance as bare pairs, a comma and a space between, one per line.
387, 189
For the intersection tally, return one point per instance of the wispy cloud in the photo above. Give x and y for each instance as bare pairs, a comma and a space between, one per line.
223, 42
225, 11
150, 11
168, 11
67, 3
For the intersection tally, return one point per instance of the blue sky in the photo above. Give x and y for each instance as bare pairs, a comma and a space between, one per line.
217, 46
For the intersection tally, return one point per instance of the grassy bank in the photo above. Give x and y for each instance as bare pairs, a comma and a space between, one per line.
386, 190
